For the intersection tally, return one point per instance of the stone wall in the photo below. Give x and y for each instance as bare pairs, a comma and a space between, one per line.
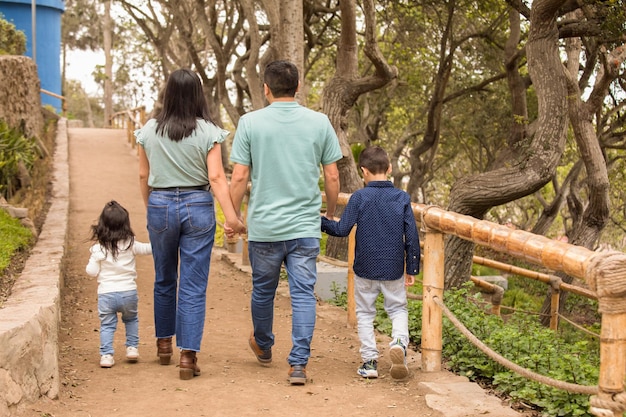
20, 99
29, 319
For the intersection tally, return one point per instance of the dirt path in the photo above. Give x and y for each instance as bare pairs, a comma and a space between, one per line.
104, 167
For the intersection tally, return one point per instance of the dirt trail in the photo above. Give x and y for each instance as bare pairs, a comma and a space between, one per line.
103, 167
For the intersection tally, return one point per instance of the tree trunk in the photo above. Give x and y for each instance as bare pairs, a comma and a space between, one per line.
107, 28
534, 167
421, 154
581, 114
552, 210
292, 40
342, 91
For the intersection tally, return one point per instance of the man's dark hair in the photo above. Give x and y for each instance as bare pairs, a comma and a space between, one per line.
282, 78
374, 159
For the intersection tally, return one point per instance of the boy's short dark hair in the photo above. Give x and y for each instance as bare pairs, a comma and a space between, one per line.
282, 78
374, 159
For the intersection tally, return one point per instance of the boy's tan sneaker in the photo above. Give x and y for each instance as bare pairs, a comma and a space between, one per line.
397, 354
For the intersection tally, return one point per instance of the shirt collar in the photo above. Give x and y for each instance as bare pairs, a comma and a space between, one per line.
380, 184
285, 104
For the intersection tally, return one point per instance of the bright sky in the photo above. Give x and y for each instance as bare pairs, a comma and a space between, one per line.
80, 65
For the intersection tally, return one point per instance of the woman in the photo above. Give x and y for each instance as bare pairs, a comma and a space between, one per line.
179, 163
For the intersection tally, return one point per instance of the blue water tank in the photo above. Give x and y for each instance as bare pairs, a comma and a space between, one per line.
48, 40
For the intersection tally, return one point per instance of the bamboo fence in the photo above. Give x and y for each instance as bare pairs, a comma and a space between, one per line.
603, 272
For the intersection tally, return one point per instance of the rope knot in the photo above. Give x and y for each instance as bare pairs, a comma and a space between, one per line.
606, 273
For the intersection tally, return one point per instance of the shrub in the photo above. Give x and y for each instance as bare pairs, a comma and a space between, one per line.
521, 340
15, 151
525, 342
12, 41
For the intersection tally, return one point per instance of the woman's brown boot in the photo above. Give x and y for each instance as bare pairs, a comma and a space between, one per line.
164, 350
188, 364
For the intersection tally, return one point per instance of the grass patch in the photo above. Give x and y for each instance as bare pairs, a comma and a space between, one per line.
13, 238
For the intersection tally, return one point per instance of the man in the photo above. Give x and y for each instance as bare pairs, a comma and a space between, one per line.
280, 149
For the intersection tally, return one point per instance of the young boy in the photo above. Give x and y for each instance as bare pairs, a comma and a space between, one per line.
386, 240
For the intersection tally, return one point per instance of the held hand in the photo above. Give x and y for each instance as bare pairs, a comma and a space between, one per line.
241, 228
231, 229
409, 280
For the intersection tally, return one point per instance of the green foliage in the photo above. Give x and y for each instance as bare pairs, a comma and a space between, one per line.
612, 14
283, 276
12, 41
323, 242
481, 270
80, 106
525, 342
520, 300
340, 298
521, 340
15, 149
357, 148
13, 237
219, 230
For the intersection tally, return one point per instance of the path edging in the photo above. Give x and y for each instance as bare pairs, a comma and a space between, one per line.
30, 318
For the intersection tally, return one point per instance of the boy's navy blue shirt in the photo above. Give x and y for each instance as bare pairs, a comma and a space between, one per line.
386, 234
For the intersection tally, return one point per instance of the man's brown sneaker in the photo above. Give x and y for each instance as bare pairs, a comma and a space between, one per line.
263, 356
297, 375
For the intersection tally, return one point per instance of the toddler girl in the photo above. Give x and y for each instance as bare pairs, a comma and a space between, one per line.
112, 260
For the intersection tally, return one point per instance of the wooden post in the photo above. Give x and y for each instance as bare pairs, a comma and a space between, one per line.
350, 285
612, 355
231, 244
555, 294
245, 257
432, 316
129, 132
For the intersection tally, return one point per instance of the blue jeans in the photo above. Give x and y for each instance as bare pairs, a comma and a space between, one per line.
181, 223
299, 256
111, 303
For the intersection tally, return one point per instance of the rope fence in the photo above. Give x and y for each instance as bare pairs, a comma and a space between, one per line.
567, 386
603, 272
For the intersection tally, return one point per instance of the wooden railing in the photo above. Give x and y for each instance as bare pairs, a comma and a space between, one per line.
603, 272
131, 120
62, 98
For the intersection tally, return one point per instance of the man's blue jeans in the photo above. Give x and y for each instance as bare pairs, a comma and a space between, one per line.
181, 222
111, 303
299, 256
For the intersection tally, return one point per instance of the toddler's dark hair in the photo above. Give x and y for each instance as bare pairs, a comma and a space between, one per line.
374, 159
113, 227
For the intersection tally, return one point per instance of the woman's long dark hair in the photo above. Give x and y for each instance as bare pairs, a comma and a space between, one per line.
183, 104
113, 227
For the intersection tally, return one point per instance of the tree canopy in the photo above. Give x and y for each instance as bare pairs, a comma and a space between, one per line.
511, 111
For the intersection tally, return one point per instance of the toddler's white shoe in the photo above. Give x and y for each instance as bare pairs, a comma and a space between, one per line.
106, 361
132, 353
